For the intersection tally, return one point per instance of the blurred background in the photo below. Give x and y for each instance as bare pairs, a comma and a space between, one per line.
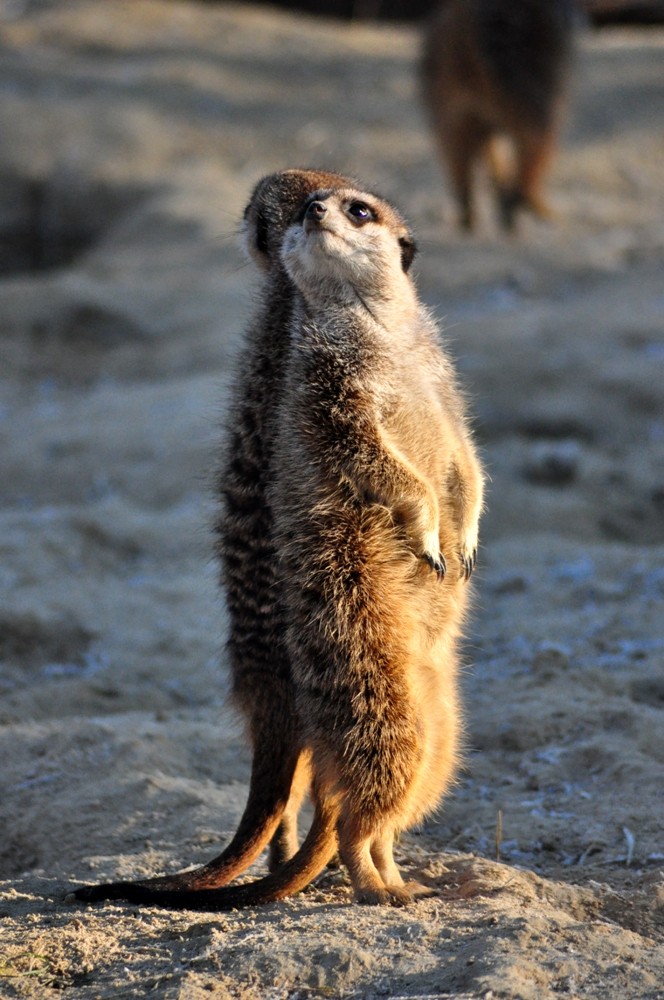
132, 134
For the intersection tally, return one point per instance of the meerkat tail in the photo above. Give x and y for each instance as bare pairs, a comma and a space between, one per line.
269, 792
317, 850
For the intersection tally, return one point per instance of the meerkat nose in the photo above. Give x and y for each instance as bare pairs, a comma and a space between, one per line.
316, 211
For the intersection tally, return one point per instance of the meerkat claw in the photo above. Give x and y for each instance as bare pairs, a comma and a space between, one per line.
438, 565
468, 563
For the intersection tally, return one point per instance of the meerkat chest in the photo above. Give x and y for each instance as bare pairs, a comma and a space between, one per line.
410, 397
410, 420
345, 373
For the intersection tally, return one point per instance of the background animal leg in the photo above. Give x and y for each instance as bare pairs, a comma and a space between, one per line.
462, 141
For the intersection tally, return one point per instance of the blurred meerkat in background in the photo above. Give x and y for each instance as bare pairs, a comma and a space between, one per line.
491, 70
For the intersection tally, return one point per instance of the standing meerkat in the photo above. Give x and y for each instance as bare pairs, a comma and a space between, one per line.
376, 493
494, 68
377, 501
258, 660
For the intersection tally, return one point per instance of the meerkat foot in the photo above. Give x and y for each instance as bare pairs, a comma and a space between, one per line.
510, 202
372, 897
418, 890
398, 895
393, 895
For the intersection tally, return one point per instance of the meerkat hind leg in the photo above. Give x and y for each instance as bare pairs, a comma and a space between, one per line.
463, 139
284, 843
373, 872
368, 886
383, 857
535, 152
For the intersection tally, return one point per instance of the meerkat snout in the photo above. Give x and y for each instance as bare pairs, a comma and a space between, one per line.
316, 211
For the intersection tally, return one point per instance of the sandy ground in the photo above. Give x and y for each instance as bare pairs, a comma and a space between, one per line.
132, 133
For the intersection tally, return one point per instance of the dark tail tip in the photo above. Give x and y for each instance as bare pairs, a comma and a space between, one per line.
97, 893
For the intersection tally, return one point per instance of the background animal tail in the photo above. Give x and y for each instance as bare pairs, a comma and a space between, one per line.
269, 790
318, 848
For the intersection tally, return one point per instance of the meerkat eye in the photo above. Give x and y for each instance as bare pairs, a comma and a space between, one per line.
361, 212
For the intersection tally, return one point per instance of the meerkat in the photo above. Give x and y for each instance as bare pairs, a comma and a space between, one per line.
376, 493
491, 69
258, 660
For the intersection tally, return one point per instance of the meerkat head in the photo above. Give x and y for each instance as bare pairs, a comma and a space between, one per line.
273, 206
346, 241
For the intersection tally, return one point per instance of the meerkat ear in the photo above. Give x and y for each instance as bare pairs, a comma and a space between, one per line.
408, 251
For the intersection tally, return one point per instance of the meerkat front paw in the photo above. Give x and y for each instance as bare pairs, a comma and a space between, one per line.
425, 542
436, 563
468, 561
468, 551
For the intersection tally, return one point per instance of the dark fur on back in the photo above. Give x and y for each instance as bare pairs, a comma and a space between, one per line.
260, 671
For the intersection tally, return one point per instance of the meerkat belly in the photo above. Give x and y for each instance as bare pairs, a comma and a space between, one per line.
372, 653
434, 693
348, 556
